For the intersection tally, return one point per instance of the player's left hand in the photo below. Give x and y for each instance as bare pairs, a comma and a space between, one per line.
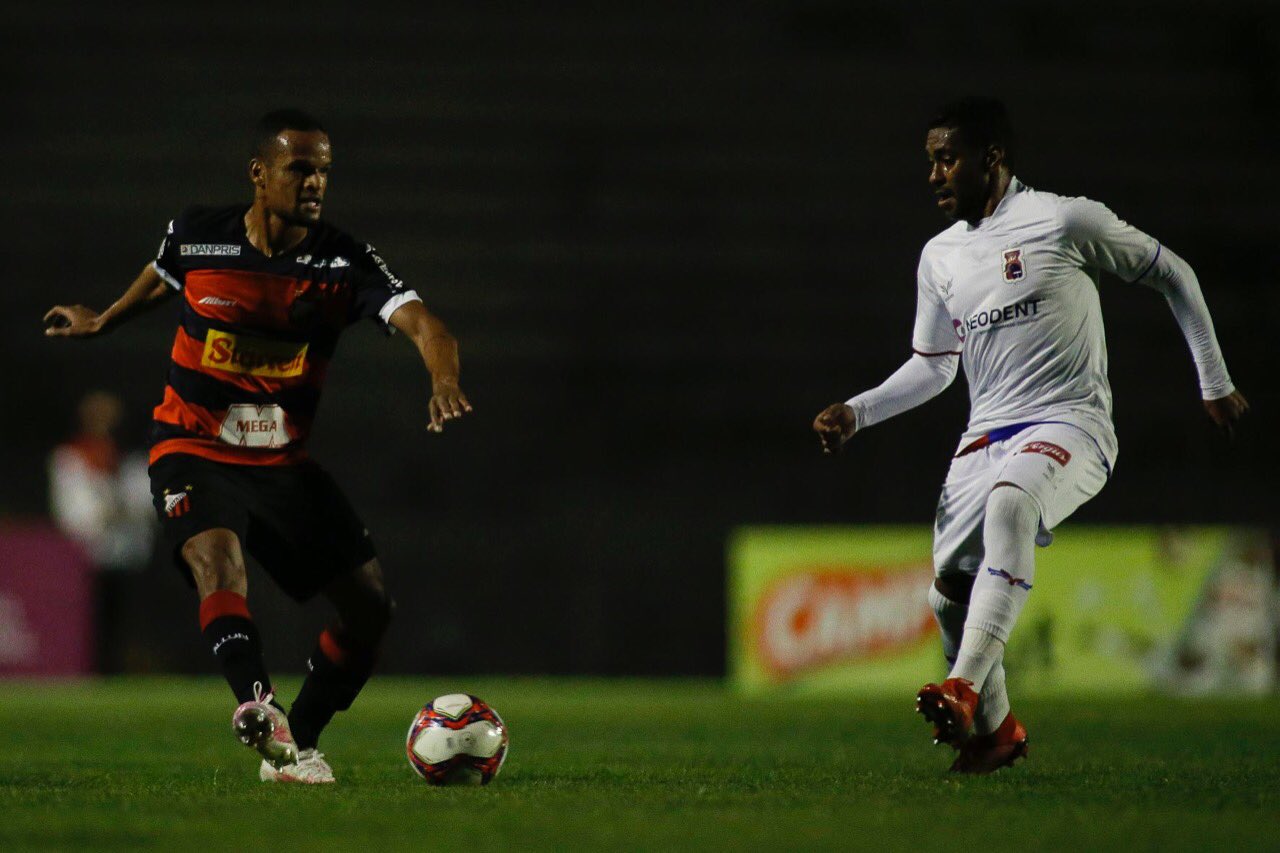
447, 403
1225, 411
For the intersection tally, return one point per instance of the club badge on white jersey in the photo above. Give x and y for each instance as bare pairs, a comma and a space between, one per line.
1014, 271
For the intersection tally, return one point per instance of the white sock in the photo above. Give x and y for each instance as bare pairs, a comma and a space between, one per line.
979, 654
993, 702
1008, 568
950, 616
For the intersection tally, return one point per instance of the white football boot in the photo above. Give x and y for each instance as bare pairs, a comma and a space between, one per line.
264, 727
310, 769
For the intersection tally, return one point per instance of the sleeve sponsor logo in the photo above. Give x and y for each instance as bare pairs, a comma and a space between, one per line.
394, 283
209, 249
1058, 454
253, 356
1014, 270
250, 425
823, 615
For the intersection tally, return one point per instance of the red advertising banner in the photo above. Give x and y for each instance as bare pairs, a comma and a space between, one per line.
823, 613
45, 602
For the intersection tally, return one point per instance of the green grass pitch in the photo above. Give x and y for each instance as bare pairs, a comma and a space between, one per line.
661, 765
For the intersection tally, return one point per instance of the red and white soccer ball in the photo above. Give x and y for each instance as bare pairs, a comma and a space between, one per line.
457, 740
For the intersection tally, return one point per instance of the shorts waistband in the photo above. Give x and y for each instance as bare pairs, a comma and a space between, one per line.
997, 434
1006, 432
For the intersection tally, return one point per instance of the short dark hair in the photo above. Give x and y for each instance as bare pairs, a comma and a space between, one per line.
981, 122
273, 123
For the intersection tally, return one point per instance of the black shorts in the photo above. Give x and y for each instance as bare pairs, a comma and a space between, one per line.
293, 519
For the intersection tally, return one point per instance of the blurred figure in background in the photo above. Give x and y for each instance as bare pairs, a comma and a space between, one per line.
101, 498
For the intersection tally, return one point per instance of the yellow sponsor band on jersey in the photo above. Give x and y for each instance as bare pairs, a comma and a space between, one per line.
254, 356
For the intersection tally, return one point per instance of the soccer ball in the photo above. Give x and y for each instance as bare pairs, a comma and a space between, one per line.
457, 740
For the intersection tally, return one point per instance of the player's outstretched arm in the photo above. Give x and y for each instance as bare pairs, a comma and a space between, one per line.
922, 378
1105, 241
1177, 281
79, 321
932, 367
439, 351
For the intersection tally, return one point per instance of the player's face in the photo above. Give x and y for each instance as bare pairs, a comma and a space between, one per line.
292, 178
957, 173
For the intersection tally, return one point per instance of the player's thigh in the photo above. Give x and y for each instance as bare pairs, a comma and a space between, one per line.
957, 527
203, 519
1059, 466
305, 532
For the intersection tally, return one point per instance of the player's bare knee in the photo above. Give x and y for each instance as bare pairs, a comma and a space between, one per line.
216, 562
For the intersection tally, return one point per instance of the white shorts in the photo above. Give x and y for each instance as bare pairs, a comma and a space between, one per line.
1059, 465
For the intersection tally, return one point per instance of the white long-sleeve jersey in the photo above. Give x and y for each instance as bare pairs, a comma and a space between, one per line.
1015, 297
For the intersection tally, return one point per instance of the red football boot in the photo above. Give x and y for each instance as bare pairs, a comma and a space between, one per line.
950, 706
988, 753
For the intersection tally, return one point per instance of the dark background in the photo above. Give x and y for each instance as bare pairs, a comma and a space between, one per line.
666, 236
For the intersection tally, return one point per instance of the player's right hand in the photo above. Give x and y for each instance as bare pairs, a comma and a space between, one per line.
73, 321
834, 425
1226, 411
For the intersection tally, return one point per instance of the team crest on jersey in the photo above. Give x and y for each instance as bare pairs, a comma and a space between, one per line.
1014, 270
177, 503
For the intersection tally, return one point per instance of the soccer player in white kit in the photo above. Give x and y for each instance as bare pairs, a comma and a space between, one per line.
1011, 289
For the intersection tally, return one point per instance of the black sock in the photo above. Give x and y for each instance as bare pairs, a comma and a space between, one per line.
235, 644
331, 686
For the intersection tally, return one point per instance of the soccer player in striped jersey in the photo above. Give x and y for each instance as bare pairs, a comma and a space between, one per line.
1010, 289
266, 289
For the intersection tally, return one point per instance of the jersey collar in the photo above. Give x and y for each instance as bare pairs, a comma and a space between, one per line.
1015, 186
305, 245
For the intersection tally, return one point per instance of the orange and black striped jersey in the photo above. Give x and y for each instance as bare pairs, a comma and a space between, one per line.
256, 334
